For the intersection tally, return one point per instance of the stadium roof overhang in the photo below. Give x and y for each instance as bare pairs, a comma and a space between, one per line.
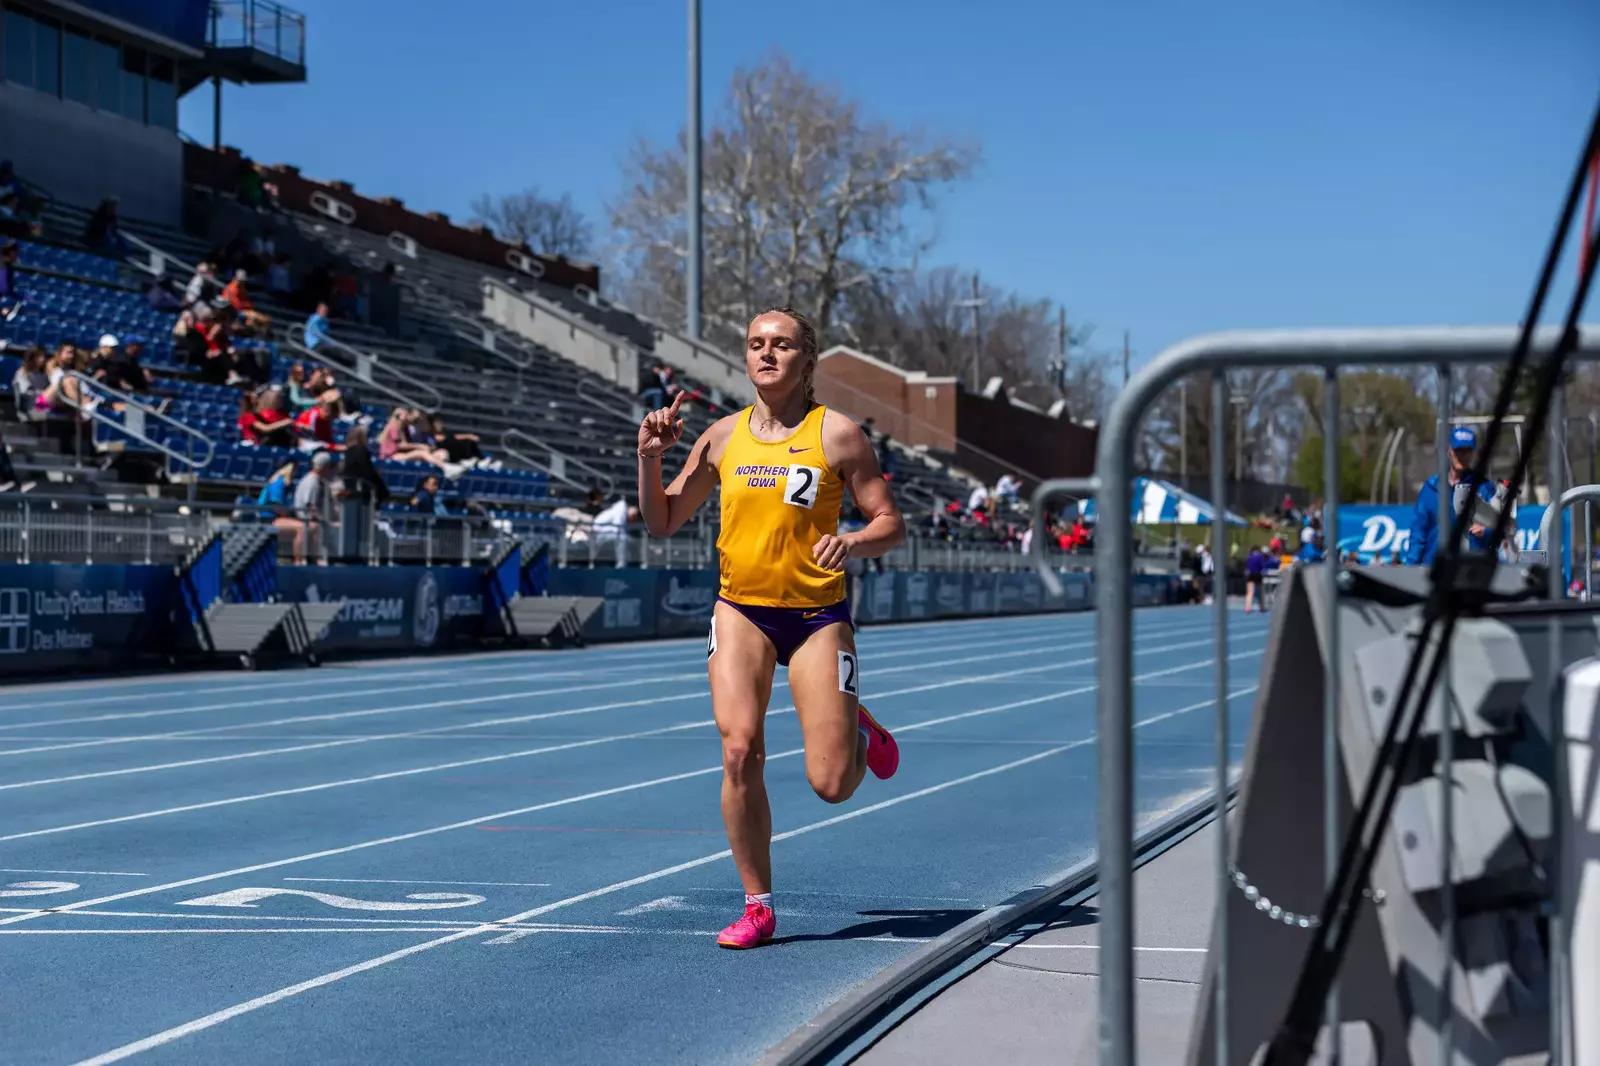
91, 19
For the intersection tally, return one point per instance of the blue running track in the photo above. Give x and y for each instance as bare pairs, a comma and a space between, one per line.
519, 857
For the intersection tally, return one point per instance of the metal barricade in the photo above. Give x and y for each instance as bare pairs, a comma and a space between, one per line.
1217, 354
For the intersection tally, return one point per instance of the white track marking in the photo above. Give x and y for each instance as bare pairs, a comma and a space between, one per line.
484, 723
458, 682
665, 903
415, 834
545, 750
1096, 947
167, 1036
386, 881
81, 873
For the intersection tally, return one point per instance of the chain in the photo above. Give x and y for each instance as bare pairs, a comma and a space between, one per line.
1277, 913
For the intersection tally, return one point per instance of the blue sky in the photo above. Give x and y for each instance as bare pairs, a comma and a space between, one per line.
1163, 167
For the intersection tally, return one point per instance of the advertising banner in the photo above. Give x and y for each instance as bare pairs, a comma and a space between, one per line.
90, 617
950, 595
401, 608
1370, 530
684, 600
630, 595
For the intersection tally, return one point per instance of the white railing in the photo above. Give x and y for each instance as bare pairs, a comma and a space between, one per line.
363, 367
135, 421
555, 462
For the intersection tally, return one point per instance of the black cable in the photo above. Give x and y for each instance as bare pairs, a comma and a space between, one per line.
1295, 1040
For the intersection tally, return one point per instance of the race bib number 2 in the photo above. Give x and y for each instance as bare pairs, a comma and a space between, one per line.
800, 487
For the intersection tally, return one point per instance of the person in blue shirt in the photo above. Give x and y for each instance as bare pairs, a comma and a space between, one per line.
1424, 542
317, 327
1311, 546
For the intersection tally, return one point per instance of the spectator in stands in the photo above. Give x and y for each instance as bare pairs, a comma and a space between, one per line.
888, 459
239, 299
317, 327
279, 279
464, 449
344, 291
103, 232
263, 421
398, 440
200, 286
978, 499
274, 503
251, 187
426, 499
10, 295
160, 295
20, 214
594, 501
122, 369
1311, 546
611, 526
315, 426
653, 387
361, 477
188, 341
1007, 488
314, 496
29, 383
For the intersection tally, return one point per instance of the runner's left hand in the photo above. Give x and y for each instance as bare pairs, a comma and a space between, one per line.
831, 552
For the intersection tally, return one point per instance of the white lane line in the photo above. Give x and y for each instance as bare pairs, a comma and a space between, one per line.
342, 741
467, 823
387, 881
85, 873
1096, 947
167, 1036
468, 701
549, 748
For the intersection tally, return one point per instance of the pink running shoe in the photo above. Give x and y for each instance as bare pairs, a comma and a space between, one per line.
883, 754
752, 930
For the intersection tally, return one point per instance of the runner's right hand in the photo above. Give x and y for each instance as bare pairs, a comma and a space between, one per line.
661, 429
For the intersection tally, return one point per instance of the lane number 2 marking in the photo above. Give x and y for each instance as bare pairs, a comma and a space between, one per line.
849, 675
801, 487
423, 901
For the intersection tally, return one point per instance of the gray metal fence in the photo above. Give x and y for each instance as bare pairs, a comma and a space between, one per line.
1328, 350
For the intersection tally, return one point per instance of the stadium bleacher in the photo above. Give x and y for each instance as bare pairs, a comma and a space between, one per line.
560, 429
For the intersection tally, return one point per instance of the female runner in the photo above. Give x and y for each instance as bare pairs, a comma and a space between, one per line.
783, 465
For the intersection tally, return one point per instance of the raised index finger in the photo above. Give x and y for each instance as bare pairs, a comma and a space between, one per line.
672, 412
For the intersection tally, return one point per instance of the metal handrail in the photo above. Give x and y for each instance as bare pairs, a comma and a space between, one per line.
1328, 350
159, 258
587, 391
148, 412
606, 481
320, 355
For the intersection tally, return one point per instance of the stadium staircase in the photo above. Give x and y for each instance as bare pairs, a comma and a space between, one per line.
520, 601
230, 591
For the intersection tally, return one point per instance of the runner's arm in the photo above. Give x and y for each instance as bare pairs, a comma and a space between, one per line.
665, 510
848, 451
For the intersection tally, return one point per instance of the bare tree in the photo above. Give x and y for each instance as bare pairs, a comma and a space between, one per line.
550, 227
807, 201
919, 320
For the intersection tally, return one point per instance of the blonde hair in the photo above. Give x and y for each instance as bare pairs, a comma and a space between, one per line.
808, 345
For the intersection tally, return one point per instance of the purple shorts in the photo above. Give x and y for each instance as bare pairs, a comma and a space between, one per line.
788, 627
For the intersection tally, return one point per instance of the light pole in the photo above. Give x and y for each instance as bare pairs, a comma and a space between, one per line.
1238, 400
691, 298
975, 304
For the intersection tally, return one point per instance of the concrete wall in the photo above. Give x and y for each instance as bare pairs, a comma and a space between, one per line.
82, 155
1035, 442
910, 406
571, 338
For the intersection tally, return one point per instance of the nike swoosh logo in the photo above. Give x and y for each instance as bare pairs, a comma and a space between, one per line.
809, 615
794, 451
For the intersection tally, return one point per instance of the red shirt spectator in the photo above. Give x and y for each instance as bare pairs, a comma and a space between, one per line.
234, 293
315, 427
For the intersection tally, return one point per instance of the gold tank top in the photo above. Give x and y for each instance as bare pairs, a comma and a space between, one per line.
778, 499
